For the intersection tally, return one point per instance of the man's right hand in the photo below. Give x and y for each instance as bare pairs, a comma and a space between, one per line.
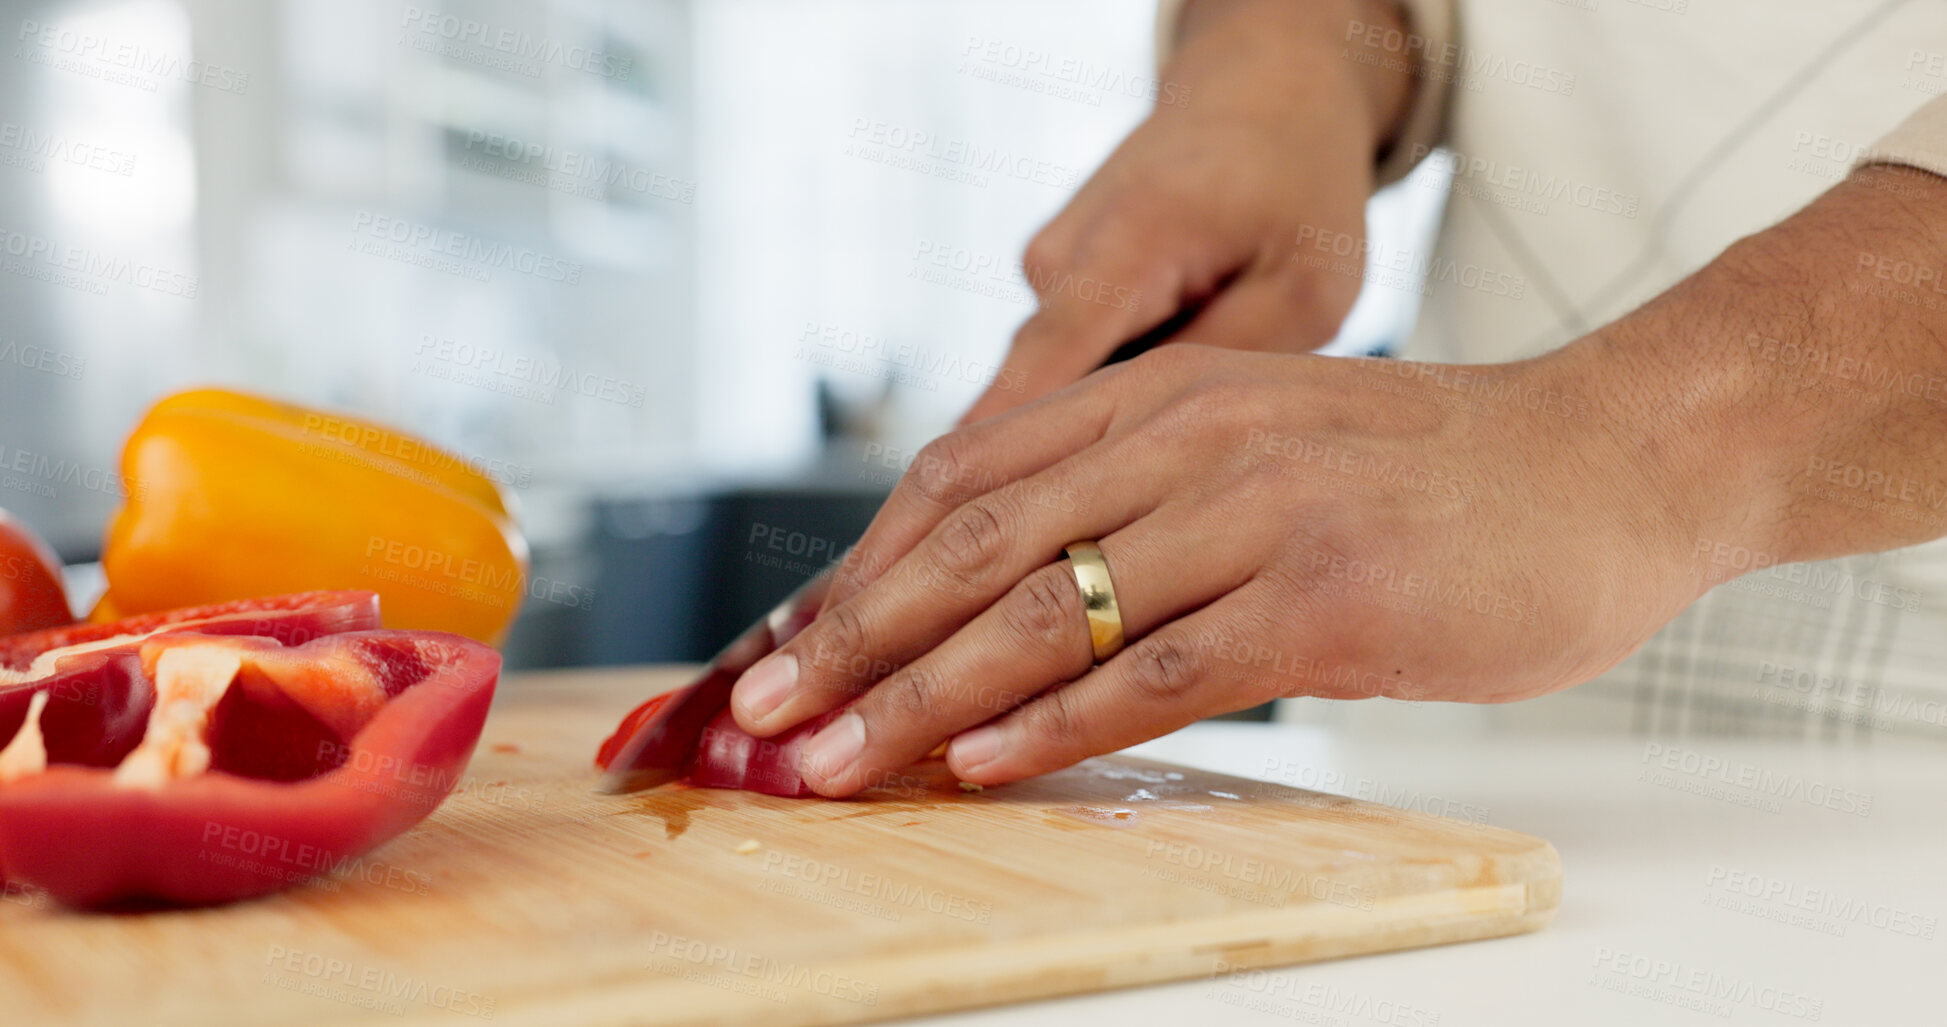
1268, 119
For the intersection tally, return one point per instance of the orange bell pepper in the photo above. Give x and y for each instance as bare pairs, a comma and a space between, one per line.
233, 496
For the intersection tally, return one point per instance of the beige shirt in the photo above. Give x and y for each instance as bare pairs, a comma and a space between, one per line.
1597, 151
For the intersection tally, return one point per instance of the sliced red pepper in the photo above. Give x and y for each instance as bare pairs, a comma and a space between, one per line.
637, 717
191, 767
727, 756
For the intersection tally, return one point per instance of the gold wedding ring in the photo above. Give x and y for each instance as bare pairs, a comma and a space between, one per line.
1098, 599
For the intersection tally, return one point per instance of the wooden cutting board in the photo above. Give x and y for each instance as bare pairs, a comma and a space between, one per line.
530, 899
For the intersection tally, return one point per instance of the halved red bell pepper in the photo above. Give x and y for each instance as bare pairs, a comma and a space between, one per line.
205, 763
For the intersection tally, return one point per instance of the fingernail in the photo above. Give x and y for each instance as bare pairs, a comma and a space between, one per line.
832, 750
765, 686
981, 745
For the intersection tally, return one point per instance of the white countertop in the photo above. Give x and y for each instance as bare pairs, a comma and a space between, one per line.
1706, 881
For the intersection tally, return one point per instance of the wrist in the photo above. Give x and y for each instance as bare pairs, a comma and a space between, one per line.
1694, 483
1789, 402
1369, 45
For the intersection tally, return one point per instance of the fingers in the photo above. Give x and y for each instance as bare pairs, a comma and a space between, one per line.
1035, 637
974, 556
1121, 279
967, 680
984, 457
1162, 682
966, 463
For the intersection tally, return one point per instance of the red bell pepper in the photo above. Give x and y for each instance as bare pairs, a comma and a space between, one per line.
729, 757
31, 596
612, 746
228, 752
725, 755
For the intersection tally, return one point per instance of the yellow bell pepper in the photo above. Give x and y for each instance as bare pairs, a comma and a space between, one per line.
234, 496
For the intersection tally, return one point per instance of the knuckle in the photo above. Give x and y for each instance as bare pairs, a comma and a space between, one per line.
861, 567
840, 645
912, 690
1045, 607
973, 539
1054, 720
1162, 670
864, 565
943, 473
1046, 251
1134, 226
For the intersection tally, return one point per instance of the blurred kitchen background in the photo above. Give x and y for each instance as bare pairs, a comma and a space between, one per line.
695, 277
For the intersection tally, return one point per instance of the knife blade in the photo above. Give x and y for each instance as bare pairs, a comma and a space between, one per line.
659, 749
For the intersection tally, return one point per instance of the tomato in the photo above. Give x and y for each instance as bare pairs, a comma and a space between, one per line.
31, 596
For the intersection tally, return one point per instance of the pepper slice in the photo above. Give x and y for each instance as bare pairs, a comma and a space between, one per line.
727, 756
189, 767
723, 755
612, 746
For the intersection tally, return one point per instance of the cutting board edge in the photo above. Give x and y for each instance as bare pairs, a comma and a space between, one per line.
1062, 965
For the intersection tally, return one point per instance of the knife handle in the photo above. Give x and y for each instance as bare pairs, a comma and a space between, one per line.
1154, 337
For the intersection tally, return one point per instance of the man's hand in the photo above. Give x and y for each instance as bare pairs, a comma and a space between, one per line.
1295, 525
1272, 133
1274, 525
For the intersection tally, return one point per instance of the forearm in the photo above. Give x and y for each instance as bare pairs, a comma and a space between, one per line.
1371, 40
1791, 397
